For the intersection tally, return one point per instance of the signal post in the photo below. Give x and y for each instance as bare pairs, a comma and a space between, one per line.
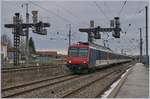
19, 29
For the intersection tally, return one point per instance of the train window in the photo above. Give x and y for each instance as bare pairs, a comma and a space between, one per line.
73, 52
83, 52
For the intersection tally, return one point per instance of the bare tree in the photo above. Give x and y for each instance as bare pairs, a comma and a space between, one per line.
6, 40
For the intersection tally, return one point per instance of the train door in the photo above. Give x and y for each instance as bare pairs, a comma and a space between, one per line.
92, 57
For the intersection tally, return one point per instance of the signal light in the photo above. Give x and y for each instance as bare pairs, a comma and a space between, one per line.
84, 62
70, 61
97, 35
35, 16
116, 35
117, 28
39, 29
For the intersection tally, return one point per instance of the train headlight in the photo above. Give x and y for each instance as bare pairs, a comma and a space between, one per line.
70, 61
84, 62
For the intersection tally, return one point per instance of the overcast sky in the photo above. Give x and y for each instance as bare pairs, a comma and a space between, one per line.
78, 14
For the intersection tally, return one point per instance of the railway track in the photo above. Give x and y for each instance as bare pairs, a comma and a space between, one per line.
24, 68
82, 91
67, 86
84, 86
95, 88
34, 85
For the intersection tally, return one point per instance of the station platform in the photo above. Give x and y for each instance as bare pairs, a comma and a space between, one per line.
137, 83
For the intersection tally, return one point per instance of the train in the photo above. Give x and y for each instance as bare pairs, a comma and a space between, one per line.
85, 57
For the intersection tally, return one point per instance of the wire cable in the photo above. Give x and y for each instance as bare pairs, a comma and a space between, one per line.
69, 12
122, 8
108, 8
51, 12
99, 7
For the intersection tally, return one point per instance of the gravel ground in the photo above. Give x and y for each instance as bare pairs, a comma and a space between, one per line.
63, 88
19, 77
60, 89
36, 85
94, 89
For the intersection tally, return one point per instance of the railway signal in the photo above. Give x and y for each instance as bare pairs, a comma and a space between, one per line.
19, 30
114, 28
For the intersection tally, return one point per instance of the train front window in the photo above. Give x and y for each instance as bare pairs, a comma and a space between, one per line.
73, 52
83, 52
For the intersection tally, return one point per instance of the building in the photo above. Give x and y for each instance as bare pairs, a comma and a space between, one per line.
10, 54
3, 53
7, 54
61, 56
46, 56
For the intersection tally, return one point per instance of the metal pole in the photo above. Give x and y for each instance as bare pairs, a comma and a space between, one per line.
69, 34
16, 38
27, 34
140, 44
90, 39
147, 56
104, 43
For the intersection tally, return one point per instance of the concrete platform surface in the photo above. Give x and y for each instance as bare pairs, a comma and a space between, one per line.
136, 84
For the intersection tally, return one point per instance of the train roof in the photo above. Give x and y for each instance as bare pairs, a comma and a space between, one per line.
103, 48
92, 45
96, 46
79, 44
100, 47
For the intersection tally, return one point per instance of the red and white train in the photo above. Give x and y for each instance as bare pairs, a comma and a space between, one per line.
84, 57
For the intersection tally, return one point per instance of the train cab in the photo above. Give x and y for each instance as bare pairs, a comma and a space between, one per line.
78, 57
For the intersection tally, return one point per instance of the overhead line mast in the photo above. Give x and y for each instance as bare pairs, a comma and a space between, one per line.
69, 34
18, 30
146, 19
27, 33
141, 45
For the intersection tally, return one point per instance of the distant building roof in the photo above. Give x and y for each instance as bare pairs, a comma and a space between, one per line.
47, 53
12, 49
3, 44
62, 55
